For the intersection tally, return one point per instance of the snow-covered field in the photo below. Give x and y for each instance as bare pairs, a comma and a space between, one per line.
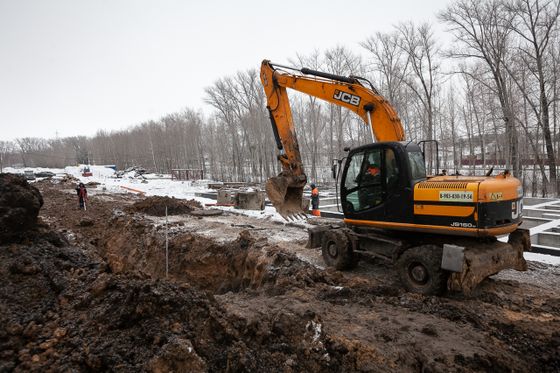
150, 185
162, 185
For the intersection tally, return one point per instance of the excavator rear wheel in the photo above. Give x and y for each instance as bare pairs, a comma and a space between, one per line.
337, 250
420, 270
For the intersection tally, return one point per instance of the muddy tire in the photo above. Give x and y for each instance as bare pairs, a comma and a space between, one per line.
337, 250
420, 270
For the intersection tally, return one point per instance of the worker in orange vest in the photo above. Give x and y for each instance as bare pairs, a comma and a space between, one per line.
315, 200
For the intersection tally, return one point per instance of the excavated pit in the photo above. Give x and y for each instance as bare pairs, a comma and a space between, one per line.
65, 308
133, 244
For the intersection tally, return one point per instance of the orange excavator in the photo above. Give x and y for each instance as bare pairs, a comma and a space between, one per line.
440, 231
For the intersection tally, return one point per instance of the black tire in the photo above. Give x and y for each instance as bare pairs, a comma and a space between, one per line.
337, 250
420, 270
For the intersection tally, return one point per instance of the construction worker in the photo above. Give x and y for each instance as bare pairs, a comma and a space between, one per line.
82, 195
315, 200
373, 170
370, 193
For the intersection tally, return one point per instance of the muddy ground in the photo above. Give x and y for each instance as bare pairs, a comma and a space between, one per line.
91, 292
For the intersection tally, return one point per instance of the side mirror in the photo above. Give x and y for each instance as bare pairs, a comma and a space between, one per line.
333, 169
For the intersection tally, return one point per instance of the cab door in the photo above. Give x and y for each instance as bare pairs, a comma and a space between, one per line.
369, 196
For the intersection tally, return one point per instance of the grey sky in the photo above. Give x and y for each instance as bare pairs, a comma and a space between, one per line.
73, 67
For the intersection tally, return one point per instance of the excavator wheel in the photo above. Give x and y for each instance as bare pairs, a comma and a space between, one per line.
337, 250
420, 270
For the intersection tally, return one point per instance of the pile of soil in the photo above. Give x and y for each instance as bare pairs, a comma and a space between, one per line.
156, 205
20, 203
63, 310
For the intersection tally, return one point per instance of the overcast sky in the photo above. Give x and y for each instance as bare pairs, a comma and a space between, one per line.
70, 67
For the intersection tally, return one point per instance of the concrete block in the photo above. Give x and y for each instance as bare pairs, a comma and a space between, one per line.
250, 200
227, 196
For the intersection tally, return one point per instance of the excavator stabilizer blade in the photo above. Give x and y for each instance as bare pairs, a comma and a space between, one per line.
487, 259
287, 199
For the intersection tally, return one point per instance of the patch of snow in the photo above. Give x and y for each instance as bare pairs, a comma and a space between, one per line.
548, 259
316, 328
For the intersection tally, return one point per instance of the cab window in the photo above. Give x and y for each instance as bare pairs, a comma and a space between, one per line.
417, 165
371, 176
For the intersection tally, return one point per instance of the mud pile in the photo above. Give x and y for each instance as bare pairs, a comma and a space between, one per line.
156, 205
19, 206
62, 309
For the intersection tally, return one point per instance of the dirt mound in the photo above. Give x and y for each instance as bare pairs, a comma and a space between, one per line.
61, 309
156, 205
19, 206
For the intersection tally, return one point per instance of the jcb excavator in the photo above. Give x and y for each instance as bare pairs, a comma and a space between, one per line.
440, 231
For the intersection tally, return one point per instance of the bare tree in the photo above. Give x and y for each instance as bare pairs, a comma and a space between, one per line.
420, 47
6, 147
388, 60
482, 32
535, 22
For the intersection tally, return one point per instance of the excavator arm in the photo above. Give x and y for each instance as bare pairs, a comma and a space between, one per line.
285, 191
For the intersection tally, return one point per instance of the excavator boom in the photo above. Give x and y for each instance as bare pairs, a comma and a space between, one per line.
285, 191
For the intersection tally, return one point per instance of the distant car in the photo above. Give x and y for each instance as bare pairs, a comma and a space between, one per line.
86, 172
29, 175
44, 174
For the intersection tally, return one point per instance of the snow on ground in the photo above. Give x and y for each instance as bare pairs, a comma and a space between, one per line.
548, 259
162, 185
12, 170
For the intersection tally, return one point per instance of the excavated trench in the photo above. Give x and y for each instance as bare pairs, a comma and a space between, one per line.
134, 244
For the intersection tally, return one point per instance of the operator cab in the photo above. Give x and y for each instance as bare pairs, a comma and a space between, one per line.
378, 181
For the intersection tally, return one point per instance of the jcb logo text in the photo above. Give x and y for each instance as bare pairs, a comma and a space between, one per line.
347, 97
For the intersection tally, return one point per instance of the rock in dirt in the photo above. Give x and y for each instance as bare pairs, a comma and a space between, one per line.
156, 205
85, 222
19, 206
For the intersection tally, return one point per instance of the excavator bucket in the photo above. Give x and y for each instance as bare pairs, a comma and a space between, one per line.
286, 197
484, 260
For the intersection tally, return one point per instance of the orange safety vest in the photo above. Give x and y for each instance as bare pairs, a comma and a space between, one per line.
373, 171
315, 192
315, 201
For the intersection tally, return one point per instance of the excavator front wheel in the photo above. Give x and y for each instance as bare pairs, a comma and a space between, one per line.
420, 270
337, 250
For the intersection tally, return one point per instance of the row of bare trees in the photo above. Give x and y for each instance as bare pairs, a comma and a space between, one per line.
490, 96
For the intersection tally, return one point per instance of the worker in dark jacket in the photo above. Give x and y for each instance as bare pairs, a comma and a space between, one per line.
82, 195
315, 200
